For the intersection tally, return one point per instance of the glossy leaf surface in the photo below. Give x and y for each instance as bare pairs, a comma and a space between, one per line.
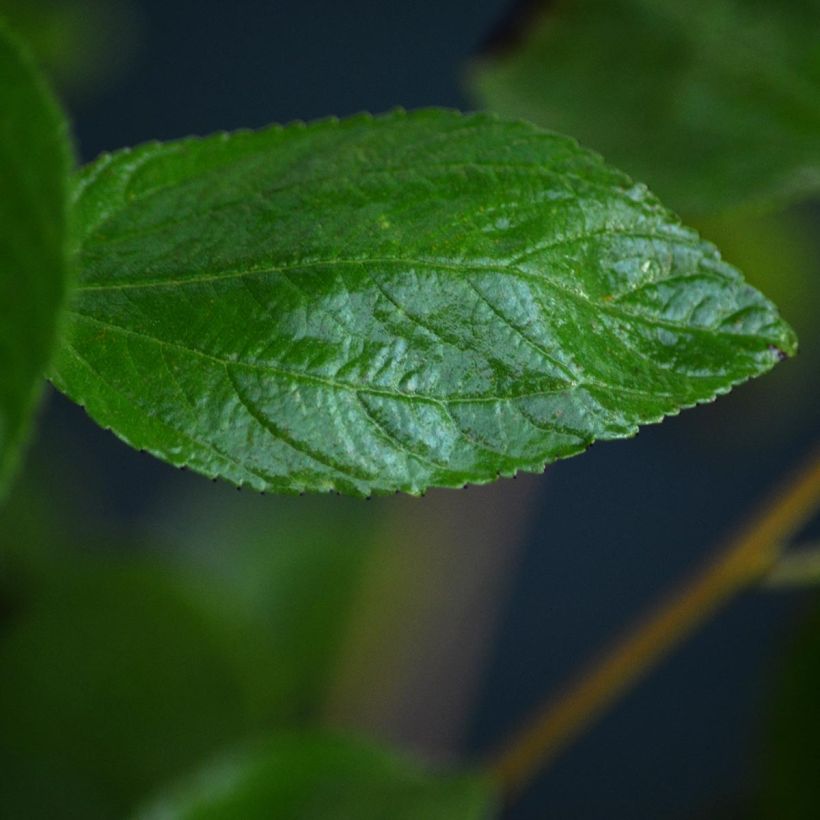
713, 103
302, 777
394, 303
34, 167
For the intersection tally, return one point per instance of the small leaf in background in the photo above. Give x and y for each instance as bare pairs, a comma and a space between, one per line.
392, 303
117, 675
713, 103
324, 777
234, 609
84, 45
34, 167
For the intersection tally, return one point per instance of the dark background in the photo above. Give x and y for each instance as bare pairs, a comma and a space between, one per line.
605, 535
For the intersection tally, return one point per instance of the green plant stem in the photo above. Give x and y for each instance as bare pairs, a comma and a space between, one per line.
746, 557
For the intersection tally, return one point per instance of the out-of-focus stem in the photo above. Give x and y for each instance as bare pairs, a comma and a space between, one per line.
743, 561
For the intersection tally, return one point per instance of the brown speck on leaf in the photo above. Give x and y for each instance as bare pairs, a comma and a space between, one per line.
781, 354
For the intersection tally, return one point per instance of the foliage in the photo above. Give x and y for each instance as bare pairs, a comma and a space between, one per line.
111, 662
714, 103
109, 669
369, 305
308, 776
391, 303
34, 162
83, 45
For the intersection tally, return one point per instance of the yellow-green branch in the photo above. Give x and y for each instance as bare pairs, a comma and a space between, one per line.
745, 558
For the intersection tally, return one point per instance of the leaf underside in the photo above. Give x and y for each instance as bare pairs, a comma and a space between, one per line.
714, 103
34, 168
321, 776
388, 304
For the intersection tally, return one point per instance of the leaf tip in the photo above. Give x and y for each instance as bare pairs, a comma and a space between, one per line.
780, 354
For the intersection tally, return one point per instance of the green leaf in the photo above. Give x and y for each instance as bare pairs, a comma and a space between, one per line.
34, 168
111, 657
714, 103
301, 777
388, 304
117, 675
779, 253
83, 45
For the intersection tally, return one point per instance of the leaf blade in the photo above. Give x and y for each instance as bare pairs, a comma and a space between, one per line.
324, 775
392, 303
34, 167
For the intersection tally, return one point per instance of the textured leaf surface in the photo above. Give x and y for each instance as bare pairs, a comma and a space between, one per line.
712, 103
34, 166
327, 778
388, 304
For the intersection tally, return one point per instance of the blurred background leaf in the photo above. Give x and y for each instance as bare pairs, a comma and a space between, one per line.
324, 777
128, 661
35, 161
84, 45
113, 680
293, 566
713, 103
